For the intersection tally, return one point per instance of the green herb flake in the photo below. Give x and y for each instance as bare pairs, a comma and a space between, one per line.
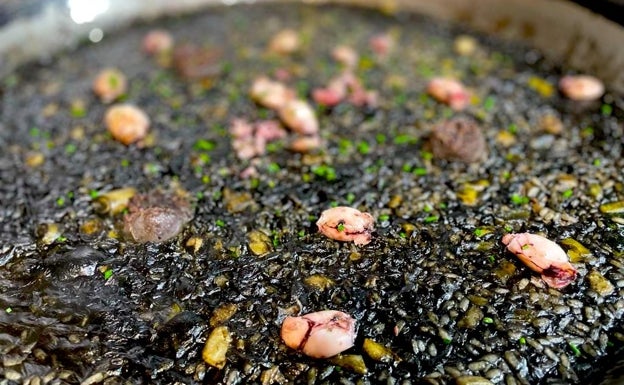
575, 350
491, 258
400, 99
587, 131
301, 233
597, 162
407, 167
8, 310
93, 194
425, 70
263, 113
340, 227
220, 223
420, 171
426, 155
432, 218
325, 171
60, 201
488, 320
344, 145
381, 138
489, 103
205, 179
61, 239
272, 147
125, 163
204, 158
333, 204
113, 80
204, 145
606, 110
273, 168
108, 274
508, 228
70, 148
350, 197
512, 128
303, 88
226, 67
199, 195
567, 193
384, 217
522, 341
447, 341
526, 246
479, 232
77, 110
518, 199
363, 148
405, 139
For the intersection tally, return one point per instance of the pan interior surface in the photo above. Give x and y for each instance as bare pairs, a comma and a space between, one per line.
435, 290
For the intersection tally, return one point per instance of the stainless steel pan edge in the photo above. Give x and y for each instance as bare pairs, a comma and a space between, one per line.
562, 30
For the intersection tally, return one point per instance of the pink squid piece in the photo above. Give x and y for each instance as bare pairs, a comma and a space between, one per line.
581, 87
271, 94
542, 256
157, 41
299, 116
321, 334
346, 224
156, 216
381, 44
305, 144
449, 91
328, 96
346, 56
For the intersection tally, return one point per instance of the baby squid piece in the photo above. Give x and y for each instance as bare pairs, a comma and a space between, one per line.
126, 123
458, 139
285, 42
157, 41
109, 84
333, 94
269, 93
197, 62
381, 44
346, 224
299, 116
345, 55
156, 216
270, 130
321, 334
306, 144
542, 256
581, 87
449, 91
